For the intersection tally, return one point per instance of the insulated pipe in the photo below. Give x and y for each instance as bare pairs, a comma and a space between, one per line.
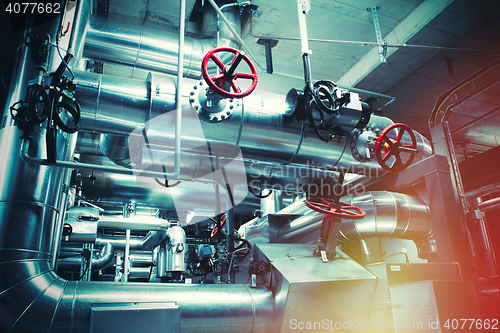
247, 128
137, 222
100, 260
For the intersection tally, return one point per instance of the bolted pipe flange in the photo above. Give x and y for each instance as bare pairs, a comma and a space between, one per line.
212, 107
362, 143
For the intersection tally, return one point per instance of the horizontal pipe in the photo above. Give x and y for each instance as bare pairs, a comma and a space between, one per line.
490, 205
246, 131
139, 272
135, 223
150, 241
80, 166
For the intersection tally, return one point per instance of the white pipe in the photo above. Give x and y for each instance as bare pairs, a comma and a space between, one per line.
178, 99
126, 255
304, 41
85, 166
219, 12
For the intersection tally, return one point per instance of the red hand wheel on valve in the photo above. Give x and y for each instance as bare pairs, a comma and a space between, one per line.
334, 211
225, 81
387, 147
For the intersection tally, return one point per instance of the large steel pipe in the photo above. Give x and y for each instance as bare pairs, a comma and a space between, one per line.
130, 107
135, 223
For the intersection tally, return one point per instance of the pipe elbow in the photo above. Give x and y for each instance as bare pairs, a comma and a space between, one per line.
104, 258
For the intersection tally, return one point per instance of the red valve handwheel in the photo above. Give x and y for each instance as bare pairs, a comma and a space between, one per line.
215, 230
328, 207
387, 147
217, 82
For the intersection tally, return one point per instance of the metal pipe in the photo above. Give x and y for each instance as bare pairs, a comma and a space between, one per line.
79, 29
24, 154
133, 223
490, 205
246, 130
178, 99
126, 262
150, 241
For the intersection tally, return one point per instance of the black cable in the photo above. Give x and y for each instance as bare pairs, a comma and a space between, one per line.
150, 273
342, 153
392, 255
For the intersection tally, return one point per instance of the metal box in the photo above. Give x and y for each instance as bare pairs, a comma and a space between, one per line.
135, 317
309, 291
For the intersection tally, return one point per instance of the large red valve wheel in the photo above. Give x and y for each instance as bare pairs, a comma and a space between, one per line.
225, 81
215, 230
332, 209
387, 147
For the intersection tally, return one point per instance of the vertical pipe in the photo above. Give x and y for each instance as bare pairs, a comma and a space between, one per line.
178, 97
126, 255
230, 235
304, 41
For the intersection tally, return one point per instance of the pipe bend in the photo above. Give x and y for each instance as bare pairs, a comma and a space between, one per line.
104, 257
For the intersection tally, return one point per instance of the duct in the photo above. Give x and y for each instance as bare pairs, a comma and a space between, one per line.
100, 261
152, 49
388, 214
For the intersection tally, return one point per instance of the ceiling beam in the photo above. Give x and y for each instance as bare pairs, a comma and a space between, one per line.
401, 33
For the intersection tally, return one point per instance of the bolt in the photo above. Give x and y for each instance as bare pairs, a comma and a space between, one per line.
195, 87
215, 119
231, 100
231, 107
228, 113
192, 92
196, 107
222, 117
191, 100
